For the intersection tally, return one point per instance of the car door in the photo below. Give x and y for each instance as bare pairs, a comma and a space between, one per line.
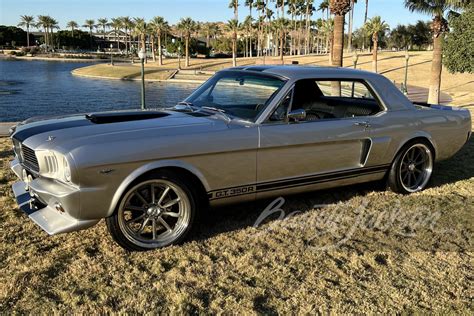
290, 152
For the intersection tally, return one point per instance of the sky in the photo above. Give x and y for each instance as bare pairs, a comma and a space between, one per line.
392, 11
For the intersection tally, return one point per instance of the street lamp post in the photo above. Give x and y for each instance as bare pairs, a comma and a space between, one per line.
355, 59
179, 56
142, 55
111, 55
407, 58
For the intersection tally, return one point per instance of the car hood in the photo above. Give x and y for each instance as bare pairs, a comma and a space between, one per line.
64, 131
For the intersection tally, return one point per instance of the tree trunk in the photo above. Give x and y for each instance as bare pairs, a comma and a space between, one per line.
331, 49
28, 36
351, 25
282, 44
250, 46
306, 40
338, 40
337, 53
436, 68
160, 52
374, 55
366, 10
187, 51
234, 50
153, 48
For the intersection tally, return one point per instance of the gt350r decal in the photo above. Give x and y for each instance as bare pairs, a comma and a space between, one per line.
232, 192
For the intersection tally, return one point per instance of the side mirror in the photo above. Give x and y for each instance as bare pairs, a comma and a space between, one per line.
297, 115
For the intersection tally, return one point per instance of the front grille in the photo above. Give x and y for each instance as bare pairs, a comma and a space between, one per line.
29, 159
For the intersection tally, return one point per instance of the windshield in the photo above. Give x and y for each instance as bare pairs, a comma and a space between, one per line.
237, 94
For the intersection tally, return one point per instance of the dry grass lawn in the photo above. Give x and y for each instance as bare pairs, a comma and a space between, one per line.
123, 72
393, 253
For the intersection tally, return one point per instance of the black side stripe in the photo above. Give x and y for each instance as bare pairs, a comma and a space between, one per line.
296, 182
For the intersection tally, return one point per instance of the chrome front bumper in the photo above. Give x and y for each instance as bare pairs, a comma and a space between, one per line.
49, 209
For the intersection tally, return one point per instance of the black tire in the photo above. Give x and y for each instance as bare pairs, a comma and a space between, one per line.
122, 232
401, 169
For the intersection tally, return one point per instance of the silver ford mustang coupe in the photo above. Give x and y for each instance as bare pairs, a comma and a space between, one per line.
247, 133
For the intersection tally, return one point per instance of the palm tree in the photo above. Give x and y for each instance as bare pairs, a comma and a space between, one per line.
73, 26
43, 23
281, 26
159, 26
308, 13
27, 21
233, 26
327, 29
90, 24
48, 24
260, 6
351, 24
437, 8
324, 7
140, 30
186, 26
127, 24
250, 4
104, 23
234, 4
247, 28
373, 28
339, 8
116, 24
52, 25
281, 5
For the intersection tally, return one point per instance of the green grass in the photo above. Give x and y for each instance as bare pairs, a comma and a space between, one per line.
229, 266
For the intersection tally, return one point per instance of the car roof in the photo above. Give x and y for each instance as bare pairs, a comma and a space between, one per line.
297, 71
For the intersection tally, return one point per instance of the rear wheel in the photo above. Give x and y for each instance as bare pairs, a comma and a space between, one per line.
157, 211
412, 168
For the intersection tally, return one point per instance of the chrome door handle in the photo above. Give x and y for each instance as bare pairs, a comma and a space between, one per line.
363, 124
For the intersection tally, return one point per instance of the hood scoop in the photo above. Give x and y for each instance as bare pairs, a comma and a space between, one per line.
123, 116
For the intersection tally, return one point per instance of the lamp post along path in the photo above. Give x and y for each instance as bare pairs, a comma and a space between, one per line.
355, 59
142, 55
405, 87
111, 54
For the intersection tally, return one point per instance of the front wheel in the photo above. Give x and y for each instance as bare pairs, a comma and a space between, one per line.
155, 212
412, 168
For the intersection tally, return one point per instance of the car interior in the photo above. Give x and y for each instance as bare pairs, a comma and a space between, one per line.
354, 100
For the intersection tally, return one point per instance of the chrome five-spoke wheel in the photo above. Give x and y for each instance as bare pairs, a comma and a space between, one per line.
152, 214
416, 168
412, 169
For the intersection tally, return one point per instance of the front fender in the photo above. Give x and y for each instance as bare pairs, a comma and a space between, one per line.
149, 167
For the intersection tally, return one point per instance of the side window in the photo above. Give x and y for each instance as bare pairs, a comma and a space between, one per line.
335, 99
349, 89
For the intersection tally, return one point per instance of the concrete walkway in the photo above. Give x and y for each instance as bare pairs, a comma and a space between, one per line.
4, 129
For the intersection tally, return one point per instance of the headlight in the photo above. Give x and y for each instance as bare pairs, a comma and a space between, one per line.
54, 165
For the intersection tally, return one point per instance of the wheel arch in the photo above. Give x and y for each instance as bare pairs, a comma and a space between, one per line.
418, 136
184, 169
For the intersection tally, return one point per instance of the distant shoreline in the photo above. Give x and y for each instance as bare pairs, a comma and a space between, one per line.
61, 59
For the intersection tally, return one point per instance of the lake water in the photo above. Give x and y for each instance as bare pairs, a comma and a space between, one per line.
35, 88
